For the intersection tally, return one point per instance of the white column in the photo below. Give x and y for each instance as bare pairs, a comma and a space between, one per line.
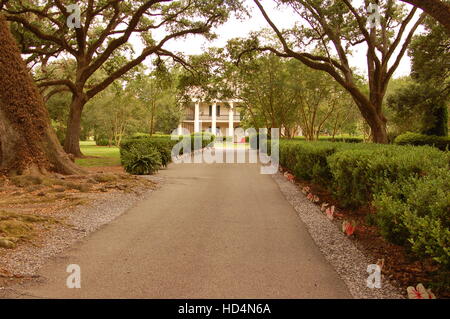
180, 129
197, 118
214, 119
231, 120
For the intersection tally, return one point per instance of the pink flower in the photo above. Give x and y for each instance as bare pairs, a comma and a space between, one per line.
348, 228
330, 213
420, 292
289, 176
310, 197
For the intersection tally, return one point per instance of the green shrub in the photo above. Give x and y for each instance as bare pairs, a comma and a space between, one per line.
206, 139
441, 142
306, 160
359, 173
341, 139
162, 145
141, 159
355, 171
345, 139
416, 212
147, 135
139, 136
164, 148
409, 186
389, 215
309, 160
102, 142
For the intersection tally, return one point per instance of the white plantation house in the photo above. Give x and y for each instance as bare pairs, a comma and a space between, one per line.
218, 117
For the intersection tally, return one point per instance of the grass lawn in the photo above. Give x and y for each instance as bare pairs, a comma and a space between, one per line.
104, 155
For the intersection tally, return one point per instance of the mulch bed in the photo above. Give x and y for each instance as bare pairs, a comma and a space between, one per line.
402, 268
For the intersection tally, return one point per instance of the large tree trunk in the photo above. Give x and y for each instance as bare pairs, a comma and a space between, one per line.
28, 144
438, 9
72, 141
377, 123
372, 112
379, 132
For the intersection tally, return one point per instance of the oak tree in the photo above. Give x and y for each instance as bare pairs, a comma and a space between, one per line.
334, 28
28, 144
101, 40
438, 9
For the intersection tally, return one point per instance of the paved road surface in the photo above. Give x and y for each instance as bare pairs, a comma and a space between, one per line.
212, 231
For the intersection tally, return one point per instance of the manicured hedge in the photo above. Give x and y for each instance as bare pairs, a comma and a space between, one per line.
102, 142
350, 139
206, 139
408, 185
364, 172
441, 142
415, 212
137, 152
307, 161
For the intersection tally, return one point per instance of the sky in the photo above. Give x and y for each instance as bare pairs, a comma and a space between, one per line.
282, 17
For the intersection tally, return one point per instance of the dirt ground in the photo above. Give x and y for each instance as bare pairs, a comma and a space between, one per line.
29, 205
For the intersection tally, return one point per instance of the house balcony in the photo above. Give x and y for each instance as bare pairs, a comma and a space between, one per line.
207, 118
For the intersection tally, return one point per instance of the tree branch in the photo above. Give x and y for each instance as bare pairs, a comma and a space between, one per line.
67, 83
440, 10
404, 48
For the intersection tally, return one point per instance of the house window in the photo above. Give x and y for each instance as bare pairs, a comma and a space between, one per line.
217, 110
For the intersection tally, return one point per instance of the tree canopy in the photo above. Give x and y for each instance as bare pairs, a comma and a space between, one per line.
438, 9
325, 35
101, 43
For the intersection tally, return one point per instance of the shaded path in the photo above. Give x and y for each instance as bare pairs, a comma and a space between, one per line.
211, 231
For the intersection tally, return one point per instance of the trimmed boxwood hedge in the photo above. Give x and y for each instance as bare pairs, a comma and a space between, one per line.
102, 142
415, 212
363, 173
441, 142
350, 139
408, 186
